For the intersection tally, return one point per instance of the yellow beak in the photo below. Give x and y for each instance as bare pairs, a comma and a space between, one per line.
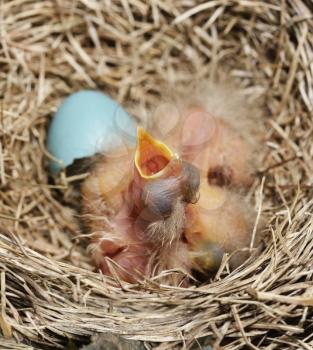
151, 156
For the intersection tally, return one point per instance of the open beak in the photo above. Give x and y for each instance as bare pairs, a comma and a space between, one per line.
161, 177
154, 165
152, 157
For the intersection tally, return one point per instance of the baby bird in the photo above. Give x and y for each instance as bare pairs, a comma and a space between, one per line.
135, 208
175, 204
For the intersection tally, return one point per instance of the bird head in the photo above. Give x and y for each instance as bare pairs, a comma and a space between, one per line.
163, 186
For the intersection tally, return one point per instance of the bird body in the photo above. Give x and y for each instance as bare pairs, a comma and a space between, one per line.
220, 222
176, 202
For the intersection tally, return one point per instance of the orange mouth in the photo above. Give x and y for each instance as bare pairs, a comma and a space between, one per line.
152, 156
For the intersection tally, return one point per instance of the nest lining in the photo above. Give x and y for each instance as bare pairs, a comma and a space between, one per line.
129, 49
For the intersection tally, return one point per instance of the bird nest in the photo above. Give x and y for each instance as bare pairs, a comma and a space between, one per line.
129, 49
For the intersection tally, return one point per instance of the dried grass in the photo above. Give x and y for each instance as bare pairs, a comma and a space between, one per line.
129, 49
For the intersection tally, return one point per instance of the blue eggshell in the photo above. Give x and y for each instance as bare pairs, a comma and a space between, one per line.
88, 122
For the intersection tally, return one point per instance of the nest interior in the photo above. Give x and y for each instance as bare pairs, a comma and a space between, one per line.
129, 49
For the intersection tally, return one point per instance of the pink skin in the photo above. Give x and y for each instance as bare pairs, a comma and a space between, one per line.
129, 251
213, 146
222, 158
